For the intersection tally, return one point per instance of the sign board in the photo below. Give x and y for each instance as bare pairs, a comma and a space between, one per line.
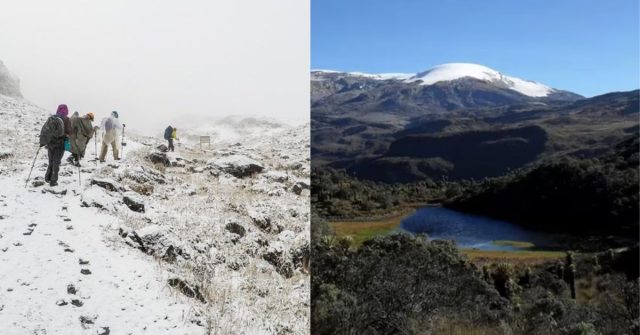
205, 140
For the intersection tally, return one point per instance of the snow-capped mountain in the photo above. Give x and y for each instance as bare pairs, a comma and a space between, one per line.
442, 88
452, 72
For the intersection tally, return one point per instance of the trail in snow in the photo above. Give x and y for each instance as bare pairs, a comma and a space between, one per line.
45, 237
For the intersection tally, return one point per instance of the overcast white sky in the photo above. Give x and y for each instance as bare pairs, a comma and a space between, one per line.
156, 61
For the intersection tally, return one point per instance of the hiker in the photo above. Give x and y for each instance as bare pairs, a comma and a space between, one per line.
81, 132
170, 135
54, 132
111, 132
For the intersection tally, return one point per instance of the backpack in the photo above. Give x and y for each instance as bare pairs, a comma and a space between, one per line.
167, 133
51, 130
108, 125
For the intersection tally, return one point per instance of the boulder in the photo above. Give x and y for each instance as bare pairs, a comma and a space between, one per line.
144, 176
106, 183
96, 197
5, 154
275, 255
185, 288
239, 166
276, 176
263, 220
134, 202
159, 158
157, 241
59, 192
37, 183
299, 186
197, 169
236, 228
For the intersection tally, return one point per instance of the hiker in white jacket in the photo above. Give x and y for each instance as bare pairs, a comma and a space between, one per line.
111, 134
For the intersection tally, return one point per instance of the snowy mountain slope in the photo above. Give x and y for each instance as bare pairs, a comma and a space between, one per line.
226, 130
9, 83
451, 72
175, 246
21, 123
377, 76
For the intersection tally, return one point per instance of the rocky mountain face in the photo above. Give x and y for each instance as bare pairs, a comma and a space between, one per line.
480, 123
9, 83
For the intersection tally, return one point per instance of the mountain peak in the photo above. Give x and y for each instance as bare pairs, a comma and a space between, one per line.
454, 71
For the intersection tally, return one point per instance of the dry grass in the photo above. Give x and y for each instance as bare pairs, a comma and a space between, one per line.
362, 230
528, 257
514, 244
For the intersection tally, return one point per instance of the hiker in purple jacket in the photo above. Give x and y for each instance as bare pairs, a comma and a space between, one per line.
55, 148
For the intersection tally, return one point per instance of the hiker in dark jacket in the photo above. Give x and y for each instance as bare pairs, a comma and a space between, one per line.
81, 132
169, 135
55, 148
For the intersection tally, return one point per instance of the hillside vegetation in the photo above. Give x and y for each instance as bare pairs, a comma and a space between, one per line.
399, 284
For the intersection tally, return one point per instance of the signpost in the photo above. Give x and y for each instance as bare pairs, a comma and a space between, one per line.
205, 140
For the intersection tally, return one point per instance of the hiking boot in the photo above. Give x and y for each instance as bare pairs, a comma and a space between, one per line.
102, 161
53, 183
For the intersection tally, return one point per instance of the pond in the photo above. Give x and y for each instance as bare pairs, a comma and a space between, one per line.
474, 231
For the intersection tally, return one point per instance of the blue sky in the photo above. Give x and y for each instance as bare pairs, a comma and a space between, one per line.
585, 46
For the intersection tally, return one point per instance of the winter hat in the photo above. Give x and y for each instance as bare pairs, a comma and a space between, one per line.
90, 115
114, 114
62, 110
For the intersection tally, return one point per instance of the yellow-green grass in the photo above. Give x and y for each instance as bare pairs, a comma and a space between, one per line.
514, 244
529, 257
362, 230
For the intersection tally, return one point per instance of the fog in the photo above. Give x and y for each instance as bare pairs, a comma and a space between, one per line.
161, 61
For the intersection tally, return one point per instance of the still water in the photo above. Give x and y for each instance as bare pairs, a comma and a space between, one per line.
472, 231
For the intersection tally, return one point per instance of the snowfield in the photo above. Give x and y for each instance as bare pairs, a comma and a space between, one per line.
199, 241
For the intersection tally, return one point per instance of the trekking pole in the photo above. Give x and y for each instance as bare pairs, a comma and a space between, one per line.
95, 148
79, 182
124, 143
32, 165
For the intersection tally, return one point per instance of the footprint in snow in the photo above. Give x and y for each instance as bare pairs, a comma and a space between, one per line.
87, 321
30, 229
104, 331
71, 289
66, 247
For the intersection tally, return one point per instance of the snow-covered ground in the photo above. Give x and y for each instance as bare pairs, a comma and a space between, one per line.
200, 241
